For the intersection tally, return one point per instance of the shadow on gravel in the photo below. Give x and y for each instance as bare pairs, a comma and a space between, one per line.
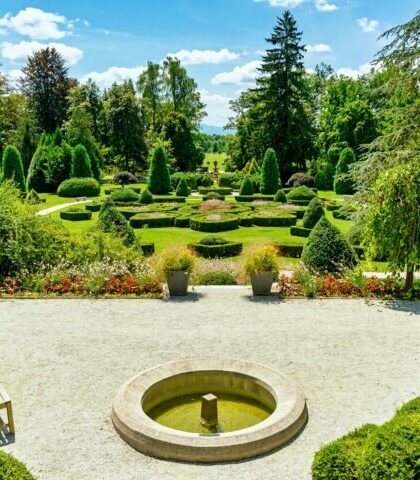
192, 297
404, 306
273, 298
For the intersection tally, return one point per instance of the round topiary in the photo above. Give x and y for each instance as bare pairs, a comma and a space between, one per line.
182, 189
247, 187
12, 469
146, 197
301, 178
124, 178
326, 250
343, 184
79, 187
124, 195
270, 177
80, 163
213, 240
313, 213
216, 278
12, 168
159, 179
110, 220
301, 193
280, 197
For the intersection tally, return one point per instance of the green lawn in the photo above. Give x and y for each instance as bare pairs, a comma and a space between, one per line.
211, 157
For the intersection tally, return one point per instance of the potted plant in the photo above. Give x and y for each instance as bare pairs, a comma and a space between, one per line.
261, 266
177, 264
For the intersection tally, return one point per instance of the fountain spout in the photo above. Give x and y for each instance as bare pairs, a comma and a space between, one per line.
209, 414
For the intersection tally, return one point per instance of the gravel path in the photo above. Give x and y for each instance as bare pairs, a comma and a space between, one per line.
49, 210
62, 362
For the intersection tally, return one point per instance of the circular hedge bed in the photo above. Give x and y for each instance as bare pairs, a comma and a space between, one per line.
266, 219
75, 214
152, 220
214, 222
214, 246
124, 195
79, 187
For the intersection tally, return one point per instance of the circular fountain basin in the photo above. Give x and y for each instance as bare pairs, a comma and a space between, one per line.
158, 411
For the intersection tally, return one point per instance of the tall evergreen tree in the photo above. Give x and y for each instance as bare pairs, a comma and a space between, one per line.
270, 182
283, 93
80, 163
27, 147
12, 167
46, 83
159, 178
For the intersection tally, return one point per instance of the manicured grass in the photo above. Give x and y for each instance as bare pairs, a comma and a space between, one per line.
211, 157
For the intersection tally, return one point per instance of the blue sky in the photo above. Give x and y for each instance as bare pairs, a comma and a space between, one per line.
219, 41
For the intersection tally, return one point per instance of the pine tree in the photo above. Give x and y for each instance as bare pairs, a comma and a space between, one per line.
80, 163
270, 181
12, 167
159, 179
282, 91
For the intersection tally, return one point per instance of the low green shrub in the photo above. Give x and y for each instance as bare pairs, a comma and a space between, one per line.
158, 199
148, 249
252, 198
152, 220
214, 246
288, 250
262, 220
301, 194
301, 178
345, 212
110, 220
246, 220
124, 195
75, 214
214, 223
93, 207
109, 191
12, 469
280, 197
247, 187
313, 213
182, 222
79, 187
215, 189
413, 406
300, 232
214, 196
331, 206
182, 189
213, 240
216, 278
146, 197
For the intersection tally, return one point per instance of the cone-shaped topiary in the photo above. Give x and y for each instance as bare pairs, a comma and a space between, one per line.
57, 137
110, 220
12, 167
182, 190
313, 213
159, 179
146, 197
343, 184
326, 250
247, 187
270, 177
280, 196
80, 163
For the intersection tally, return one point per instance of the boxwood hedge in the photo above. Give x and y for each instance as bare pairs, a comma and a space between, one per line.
148, 249
219, 190
75, 214
169, 199
300, 231
251, 198
217, 251
79, 187
110, 191
262, 220
204, 223
124, 195
93, 207
152, 220
216, 278
12, 469
288, 250
182, 222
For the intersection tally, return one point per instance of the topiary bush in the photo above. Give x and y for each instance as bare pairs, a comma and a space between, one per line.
324, 178
159, 179
300, 232
270, 177
247, 187
300, 195
343, 183
75, 214
214, 223
146, 197
213, 196
216, 278
215, 189
124, 178
79, 187
110, 220
80, 163
124, 195
262, 219
251, 198
182, 189
12, 168
327, 251
301, 178
152, 220
93, 207
12, 469
214, 246
280, 197
313, 213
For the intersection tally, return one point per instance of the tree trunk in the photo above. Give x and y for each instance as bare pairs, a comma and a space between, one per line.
409, 279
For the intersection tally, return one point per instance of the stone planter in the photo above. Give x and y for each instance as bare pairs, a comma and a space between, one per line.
261, 282
178, 283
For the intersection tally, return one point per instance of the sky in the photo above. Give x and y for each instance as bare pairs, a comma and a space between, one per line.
220, 42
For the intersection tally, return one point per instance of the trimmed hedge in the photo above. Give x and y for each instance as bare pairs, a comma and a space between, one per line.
313, 213
148, 249
93, 207
79, 187
75, 214
142, 219
219, 190
146, 197
213, 196
217, 251
182, 222
288, 250
251, 198
12, 469
280, 197
300, 193
216, 278
169, 199
124, 195
274, 221
300, 231
202, 224
246, 220
110, 191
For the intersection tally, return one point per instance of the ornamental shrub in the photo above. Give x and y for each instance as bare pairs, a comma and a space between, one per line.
324, 178
124, 195
159, 179
124, 178
301, 193
58, 165
12, 168
36, 178
146, 197
75, 214
177, 259
343, 184
182, 189
299, 179
110, 220
333, 154
79, 187
313, 213
280, 197
80, 163
12, 469
247, 187
270, 177
262, 259
216, 278
213, 240
327, 251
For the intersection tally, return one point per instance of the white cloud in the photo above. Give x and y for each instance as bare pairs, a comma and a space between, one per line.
217, 108
318, 48
195, 57
14, 75
240, 75
281, 3
355, 73
35, 23
113, 75
324, 6
367, 25
18, 52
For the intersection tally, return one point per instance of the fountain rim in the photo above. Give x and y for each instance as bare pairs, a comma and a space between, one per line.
144, 434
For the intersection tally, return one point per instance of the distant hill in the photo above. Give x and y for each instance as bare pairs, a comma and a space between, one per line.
212, 130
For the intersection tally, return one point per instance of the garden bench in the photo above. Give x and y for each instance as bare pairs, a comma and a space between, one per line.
6, 403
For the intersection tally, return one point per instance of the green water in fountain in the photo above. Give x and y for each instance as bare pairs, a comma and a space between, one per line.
235, 413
